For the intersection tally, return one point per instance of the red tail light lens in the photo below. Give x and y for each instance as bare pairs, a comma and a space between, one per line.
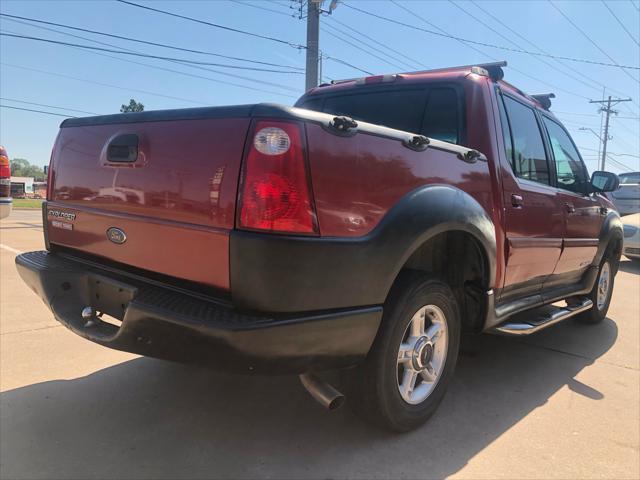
5, 166
275, 194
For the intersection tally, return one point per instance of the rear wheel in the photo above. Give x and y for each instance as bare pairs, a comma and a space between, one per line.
600, 295
413, 358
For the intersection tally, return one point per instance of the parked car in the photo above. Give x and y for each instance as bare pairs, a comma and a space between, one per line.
631, 227
5, 184
364, 229
627, 198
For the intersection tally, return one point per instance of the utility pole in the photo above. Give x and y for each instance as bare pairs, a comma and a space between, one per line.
610, 102
313, 39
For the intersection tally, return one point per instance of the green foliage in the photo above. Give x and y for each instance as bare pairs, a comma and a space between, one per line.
132, 107
28, 203
21, 167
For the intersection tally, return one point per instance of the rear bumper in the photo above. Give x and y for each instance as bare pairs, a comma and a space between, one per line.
156, 320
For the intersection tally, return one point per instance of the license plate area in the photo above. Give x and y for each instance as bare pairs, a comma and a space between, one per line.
109, 296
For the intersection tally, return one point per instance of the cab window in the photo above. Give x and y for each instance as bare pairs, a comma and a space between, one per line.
571, 173
435, 112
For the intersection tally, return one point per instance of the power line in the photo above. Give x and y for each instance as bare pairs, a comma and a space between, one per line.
397, 52
37, 111
566, 17
215, 25
118, 87
146, 55
594, 115
223, 82
579, 77
47, 106
525, 74
346, 63
518, 46
620, 22
147, 42
358, 47
259, 7
485, 44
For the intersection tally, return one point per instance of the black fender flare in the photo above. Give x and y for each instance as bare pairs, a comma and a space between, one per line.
610, 231
277, 273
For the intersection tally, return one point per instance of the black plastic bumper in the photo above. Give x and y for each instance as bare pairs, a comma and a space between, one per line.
156, 320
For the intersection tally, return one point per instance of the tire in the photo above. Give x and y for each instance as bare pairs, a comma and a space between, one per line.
601, 300
376, 386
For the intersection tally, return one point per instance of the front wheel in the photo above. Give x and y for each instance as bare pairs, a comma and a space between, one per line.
600, 295
413, 357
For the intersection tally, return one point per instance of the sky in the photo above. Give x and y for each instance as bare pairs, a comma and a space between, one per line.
80, 82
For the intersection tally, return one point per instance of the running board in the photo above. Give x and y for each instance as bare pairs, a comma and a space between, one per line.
532, 321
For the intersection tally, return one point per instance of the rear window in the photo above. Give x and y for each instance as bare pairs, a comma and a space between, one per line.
434, 112
627, 178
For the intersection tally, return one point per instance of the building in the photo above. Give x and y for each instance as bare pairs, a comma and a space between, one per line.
22, 187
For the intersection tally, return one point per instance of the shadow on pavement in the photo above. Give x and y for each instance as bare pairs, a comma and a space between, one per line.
151, 419
630, 266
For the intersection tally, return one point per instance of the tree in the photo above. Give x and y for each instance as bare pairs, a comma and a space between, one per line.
132, 107
21, 167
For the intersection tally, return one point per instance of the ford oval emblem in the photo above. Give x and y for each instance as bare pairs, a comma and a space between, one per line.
116, 235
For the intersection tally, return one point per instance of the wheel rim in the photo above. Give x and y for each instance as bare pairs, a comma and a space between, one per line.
422, 354
604, 283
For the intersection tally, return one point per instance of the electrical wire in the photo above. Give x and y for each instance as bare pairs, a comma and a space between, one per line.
265, 37
46, 106
620, 22
356, 46
472, 47
247, 4
579, 77
37, 111
223, 82
147, 42
108, 85
485, 44
215, 25
396, 52
146, 55
568, 19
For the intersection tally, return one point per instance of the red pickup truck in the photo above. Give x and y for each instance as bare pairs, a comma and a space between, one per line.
364, 229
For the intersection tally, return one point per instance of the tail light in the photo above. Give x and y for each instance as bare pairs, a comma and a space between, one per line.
275, 192
5, 167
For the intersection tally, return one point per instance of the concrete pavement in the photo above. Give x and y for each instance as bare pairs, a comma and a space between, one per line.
564, 403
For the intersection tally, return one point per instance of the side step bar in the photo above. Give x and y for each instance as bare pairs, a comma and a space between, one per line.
540, 318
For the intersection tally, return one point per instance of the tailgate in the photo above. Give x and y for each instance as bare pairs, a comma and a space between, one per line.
158, 195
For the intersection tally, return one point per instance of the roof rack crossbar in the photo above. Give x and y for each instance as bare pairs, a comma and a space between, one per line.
544, 99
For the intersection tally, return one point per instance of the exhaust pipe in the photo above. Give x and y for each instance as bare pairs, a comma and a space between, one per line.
322, 392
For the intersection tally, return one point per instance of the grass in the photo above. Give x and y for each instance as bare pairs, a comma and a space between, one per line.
28, 203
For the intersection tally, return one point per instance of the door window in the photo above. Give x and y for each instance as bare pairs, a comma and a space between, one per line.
528, 157
570, 171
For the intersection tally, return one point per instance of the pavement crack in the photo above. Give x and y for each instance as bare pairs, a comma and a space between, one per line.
578, 355
30, 330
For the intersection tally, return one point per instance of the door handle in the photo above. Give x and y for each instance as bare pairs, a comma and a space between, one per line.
570, 208
517, 201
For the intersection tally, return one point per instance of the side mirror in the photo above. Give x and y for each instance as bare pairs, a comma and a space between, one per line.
46, 170
604, 181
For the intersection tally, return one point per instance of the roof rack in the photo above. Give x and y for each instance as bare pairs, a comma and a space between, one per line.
494, 70
544, 99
